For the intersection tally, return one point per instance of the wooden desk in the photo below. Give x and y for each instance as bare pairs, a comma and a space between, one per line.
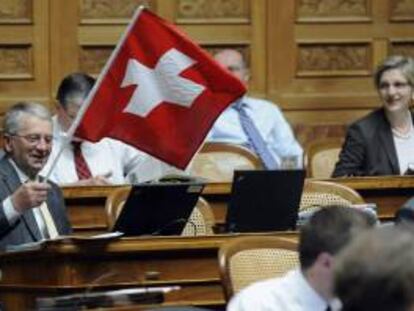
86, 204
389, 193
67, 267
86, 208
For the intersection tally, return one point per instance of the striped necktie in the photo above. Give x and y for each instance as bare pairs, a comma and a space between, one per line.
49, 223
256, 140
82, 168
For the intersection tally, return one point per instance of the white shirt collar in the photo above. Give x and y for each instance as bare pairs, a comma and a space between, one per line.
308, 293
22, 176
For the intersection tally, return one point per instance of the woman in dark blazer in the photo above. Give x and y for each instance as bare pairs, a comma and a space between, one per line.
382, 143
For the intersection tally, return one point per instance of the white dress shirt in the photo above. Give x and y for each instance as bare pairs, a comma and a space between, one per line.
108, 156
271, 124
404, 147
291, 292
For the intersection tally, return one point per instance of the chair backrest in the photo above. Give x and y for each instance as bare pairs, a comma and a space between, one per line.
246, 260
217, 161
201, 221
322, 193
322, 156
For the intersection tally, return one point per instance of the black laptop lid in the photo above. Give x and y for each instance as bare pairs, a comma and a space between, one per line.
264, 200
158, 209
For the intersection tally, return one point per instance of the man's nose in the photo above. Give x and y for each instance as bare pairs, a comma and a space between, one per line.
43, 144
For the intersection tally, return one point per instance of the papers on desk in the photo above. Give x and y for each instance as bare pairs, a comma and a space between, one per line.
98, 237
74, 238
25, 247
304, 216
112, 298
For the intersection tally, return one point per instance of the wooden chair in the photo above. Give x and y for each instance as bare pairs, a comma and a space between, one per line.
217, 161
323, 193
321, 157
250, 259
201, 221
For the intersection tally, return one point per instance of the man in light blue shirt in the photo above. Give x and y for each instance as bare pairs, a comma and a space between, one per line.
267, 117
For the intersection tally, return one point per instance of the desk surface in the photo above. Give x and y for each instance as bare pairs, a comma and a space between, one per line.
79, 265
86, 204
357, 183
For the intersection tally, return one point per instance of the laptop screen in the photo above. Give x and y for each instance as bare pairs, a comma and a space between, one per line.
264, 200
158, 209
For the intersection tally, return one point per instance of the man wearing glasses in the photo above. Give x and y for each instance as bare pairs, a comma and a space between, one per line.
30, 208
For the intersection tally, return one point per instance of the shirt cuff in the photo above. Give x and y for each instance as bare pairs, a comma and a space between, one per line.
11, 214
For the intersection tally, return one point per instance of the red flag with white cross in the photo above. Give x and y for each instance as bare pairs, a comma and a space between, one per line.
159, 92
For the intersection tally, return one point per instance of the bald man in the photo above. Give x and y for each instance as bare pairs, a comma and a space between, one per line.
268, 119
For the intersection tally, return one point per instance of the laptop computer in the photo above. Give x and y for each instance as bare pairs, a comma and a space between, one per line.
264, 200
158, 208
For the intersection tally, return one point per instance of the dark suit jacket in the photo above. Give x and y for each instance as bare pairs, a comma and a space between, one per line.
25, 229
369, 148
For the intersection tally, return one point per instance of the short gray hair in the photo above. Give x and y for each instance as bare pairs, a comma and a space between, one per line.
12, 119
403, 63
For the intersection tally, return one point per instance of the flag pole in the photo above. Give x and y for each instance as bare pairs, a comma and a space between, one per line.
67, 137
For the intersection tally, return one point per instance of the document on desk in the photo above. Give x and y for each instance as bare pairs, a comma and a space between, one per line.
25, 246
151, 295
75, 238
97, 237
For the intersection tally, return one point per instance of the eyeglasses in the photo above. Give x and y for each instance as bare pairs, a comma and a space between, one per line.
396, 85
234, 68
35, 139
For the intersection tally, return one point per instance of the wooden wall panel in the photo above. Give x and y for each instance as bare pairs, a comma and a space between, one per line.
24, 52
323, 54
313, 58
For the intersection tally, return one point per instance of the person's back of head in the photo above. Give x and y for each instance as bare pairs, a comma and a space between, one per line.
329, 230
406, 212
376, 271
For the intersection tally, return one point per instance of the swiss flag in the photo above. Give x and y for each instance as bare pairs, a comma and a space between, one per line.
159, 92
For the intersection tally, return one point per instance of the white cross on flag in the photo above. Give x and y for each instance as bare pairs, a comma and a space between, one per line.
159, 92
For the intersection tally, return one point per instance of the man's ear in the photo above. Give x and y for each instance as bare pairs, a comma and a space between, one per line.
58, 107
7, 143
326, 260
246, 76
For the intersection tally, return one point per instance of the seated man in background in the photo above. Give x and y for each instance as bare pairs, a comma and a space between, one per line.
310, 287
376, 271
254, 123
382, 143
85, 163
24, 216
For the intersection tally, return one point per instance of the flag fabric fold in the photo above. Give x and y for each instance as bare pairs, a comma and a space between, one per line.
159, 92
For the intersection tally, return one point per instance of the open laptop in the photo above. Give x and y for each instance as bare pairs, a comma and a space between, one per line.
158, 208
264, 200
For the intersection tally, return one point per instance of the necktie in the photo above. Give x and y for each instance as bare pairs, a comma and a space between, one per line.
49, 223
255, 138
81, 166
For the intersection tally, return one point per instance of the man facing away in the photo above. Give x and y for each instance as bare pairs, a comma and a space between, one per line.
27, 144
272, 139
376, 271
108, 161
310, 287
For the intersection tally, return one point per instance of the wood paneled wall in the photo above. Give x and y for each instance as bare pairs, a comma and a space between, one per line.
314, 58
